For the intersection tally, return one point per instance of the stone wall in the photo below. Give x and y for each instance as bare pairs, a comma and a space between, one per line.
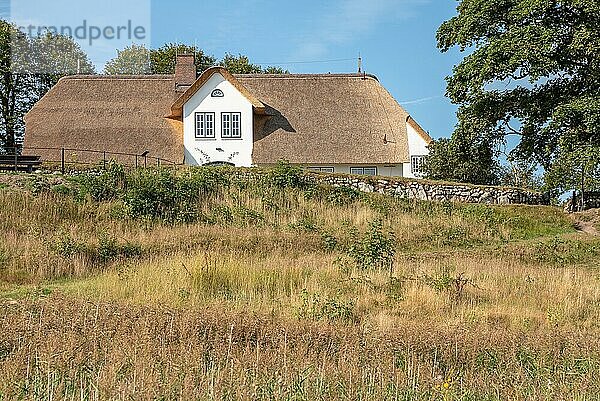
436, 191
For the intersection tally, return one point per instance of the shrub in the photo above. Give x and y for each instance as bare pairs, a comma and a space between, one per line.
66, 246
103, 186
109, 249
284, 175
315, 307
376, 250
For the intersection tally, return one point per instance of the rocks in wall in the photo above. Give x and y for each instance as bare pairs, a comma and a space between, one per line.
430, 190
419, 189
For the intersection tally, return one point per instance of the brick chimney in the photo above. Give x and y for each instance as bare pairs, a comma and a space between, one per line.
185, 72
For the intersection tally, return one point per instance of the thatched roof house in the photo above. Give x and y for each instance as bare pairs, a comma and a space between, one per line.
331, 122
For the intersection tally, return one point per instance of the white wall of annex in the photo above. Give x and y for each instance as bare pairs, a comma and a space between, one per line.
417, 146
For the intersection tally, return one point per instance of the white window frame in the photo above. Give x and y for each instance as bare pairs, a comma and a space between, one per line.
363, 170
204, 125
322, 169
416, 165
231, 125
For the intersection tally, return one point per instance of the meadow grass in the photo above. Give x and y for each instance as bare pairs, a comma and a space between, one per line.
278, 290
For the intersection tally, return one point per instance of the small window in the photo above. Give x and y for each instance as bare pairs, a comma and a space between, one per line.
205, 125
363, 170
416, 165
231, 125
322, 169
217, 93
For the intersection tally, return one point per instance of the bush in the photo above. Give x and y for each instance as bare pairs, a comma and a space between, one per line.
109, 249
161, 194
315, 307
104, 186
376, 250
284, 175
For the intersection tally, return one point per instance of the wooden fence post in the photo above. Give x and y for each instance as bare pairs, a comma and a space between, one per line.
62, 160
16, 161
104, 159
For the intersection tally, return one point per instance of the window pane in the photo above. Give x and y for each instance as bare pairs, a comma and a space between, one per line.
356, 170
327, 169
235, 125
370, 171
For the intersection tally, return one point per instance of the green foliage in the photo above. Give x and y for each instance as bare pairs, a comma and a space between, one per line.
66, 246
315, 307
375, 250
162, 194
562, 251
29, 68
241, 65
284, 175
38, 184
574, 167
446, 282
532, 69
103, 186
163, 59
461, 160
132, 60
109, 249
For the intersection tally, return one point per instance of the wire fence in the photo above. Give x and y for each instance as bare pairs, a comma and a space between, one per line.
27, 158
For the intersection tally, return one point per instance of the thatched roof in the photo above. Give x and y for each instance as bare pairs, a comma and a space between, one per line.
327, 119
114, 113
306, 119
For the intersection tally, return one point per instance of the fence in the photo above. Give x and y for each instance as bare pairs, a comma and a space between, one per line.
84, 157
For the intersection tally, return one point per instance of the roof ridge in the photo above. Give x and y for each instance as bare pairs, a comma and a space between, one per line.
307, 76
120, 77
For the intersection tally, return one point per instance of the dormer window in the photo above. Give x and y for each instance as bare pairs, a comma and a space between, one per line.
217, 93
231, 125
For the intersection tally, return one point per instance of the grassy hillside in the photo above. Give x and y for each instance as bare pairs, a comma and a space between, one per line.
203, 284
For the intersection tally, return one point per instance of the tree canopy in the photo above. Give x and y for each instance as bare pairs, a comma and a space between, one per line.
132, 60
532, 69
140, 60
29, 67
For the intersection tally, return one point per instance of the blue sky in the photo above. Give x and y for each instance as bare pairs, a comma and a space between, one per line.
396, 38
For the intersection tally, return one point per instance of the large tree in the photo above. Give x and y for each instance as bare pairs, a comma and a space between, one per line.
532, 70
132, 60
139, 60
29, 67
240, 64
163, 59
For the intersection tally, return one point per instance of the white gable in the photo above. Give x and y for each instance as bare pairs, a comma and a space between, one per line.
207, 108
417, 146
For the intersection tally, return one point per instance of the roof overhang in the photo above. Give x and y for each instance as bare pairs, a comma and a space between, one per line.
177, 107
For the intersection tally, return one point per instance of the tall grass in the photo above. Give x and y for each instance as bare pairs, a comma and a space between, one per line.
207, 284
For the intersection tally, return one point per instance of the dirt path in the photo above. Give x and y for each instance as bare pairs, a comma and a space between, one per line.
586, 222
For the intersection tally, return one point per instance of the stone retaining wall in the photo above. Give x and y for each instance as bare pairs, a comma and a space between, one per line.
422, 189
430, 190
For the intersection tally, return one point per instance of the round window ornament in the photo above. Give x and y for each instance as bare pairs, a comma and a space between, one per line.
217, 93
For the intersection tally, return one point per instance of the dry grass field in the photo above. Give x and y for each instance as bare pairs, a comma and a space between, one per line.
204, 285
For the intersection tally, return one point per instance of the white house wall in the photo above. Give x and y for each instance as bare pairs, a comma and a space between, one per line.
386, 170
204, 151
417, 146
